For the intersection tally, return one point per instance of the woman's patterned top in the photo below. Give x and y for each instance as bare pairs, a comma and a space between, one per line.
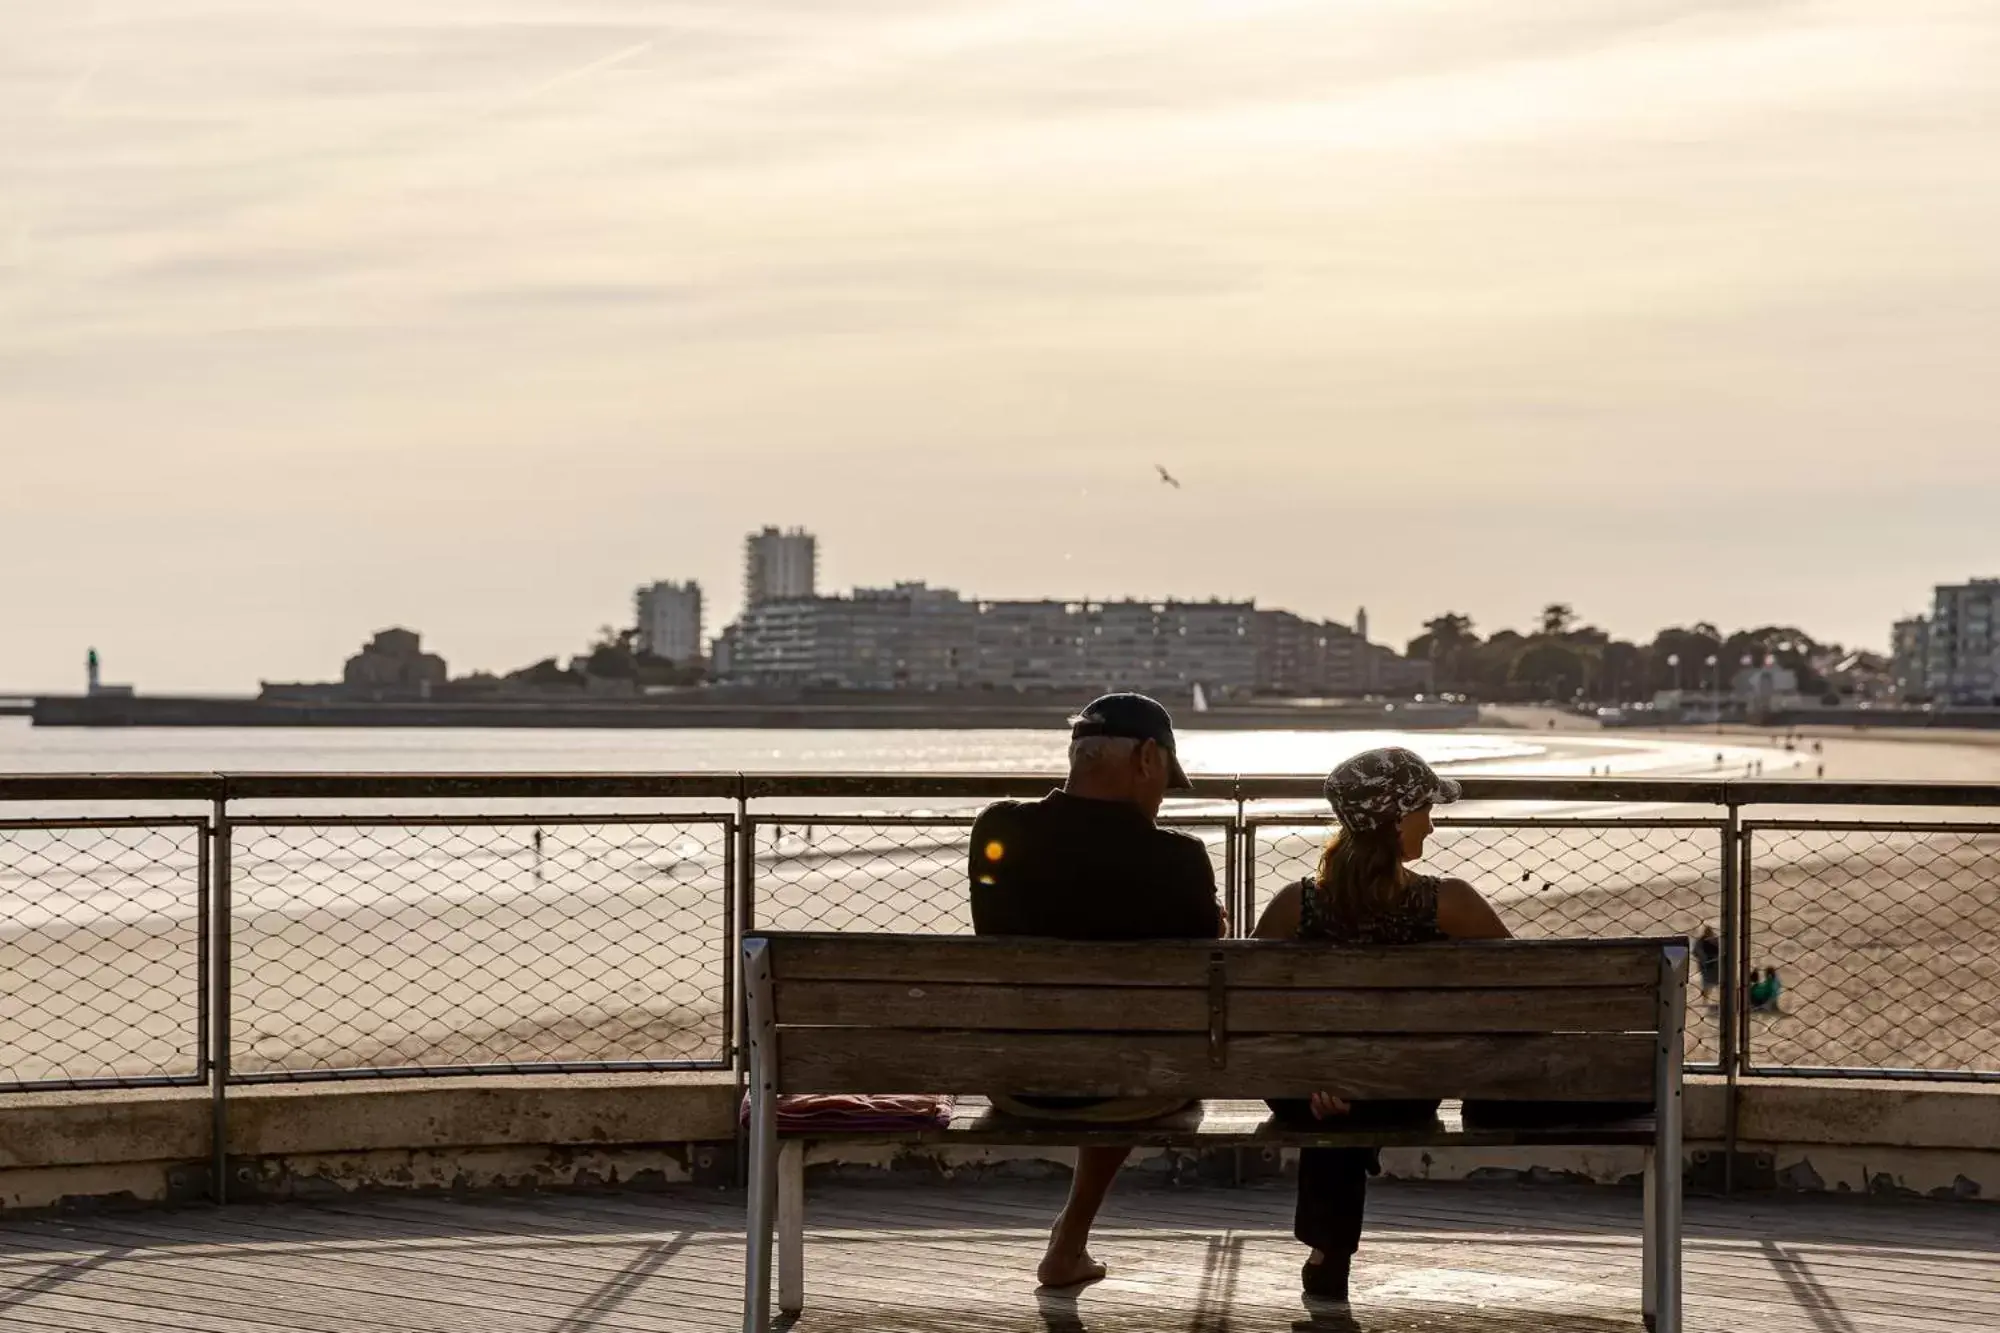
1414, 920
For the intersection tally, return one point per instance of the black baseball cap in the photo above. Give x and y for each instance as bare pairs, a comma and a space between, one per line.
1135, 717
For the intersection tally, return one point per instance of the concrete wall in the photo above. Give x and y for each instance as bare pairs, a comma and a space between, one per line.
70, 1149
85, 1149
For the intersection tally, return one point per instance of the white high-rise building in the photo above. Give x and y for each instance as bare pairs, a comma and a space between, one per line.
779, 566
1964, 643
669, 620
1910, 657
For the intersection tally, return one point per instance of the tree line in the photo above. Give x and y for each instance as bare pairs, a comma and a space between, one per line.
1564, 659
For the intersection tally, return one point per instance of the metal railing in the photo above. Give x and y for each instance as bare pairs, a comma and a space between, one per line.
201, 937
384, 946
104, 952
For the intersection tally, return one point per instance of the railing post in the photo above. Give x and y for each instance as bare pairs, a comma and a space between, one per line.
1746, 899
1728, 1037
763, 1139
742, 889
731, 983
1237, 891
1249, 856
204, 962
219, 952
1664, 1221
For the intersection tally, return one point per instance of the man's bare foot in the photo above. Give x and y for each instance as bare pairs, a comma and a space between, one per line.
1072, 1268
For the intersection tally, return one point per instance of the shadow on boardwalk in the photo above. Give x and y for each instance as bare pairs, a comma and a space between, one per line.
951, 1258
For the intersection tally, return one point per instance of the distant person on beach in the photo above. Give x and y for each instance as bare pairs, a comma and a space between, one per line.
1708, 960
1774, 987
1764, 990
1087, 862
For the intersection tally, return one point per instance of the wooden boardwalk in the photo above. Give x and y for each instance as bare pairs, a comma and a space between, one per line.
940, 1258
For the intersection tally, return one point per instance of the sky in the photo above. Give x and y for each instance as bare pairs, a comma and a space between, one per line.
473, 315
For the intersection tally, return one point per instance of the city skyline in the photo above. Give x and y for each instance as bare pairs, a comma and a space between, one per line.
638, 610
475, 322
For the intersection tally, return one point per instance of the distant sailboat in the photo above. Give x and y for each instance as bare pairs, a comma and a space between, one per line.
1200, 698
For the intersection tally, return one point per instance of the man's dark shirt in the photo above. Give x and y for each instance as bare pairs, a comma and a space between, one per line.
1065, 867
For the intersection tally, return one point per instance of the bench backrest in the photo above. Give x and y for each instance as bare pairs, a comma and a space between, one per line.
1595, 1020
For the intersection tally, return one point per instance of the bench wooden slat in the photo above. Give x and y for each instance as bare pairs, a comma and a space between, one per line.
1560, 1067
985, 1007
1497, 1009
1231, 1124
982, 1007
972, 960
1537, 964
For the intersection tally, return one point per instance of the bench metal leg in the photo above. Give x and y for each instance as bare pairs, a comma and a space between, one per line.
763, 1141
792, 1227
1663, 1225
1649, 1252
1663, 1174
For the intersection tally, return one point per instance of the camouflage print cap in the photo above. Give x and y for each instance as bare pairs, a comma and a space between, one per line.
1376, 788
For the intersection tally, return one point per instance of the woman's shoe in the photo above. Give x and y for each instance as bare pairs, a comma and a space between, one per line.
1326, 1281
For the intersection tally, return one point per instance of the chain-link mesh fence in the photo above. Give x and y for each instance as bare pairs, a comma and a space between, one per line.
1886, 943
102, 947
891, 873
1559, 878
454, 945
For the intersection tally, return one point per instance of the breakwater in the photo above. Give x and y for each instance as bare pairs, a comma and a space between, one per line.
884, 714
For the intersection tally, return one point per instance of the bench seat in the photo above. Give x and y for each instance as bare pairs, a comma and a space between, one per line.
1224, 1021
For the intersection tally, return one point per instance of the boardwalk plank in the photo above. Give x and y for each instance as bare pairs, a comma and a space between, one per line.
941, 1258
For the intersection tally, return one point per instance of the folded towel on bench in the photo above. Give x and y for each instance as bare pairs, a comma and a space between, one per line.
845, 1111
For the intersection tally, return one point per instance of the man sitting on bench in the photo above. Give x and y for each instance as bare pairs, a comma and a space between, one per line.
1087, 862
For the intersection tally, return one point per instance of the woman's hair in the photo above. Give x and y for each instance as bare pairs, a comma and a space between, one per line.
1361, 874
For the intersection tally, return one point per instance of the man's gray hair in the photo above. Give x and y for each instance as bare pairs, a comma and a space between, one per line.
1090, 751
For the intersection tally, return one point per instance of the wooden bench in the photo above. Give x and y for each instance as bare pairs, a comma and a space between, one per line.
1549, 1020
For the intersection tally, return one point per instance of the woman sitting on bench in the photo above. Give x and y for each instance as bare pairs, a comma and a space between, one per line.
1363, 894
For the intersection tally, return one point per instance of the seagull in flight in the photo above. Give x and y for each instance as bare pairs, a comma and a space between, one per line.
1167, 476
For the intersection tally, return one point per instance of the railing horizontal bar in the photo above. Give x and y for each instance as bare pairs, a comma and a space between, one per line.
105, 1084
1869, 826
1675, 791
513, 786
115, 821
1883, 1072
416, 786
703, 818
111, 786
1525, 821
1808, 791
463, 1071
1558, 822
770, 818
971, 786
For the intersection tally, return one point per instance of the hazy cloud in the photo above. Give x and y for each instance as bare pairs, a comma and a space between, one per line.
315, 317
